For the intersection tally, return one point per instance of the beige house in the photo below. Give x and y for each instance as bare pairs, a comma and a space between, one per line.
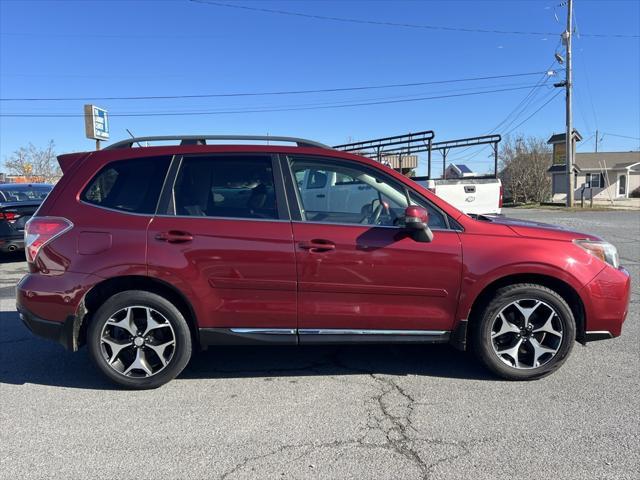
602, 175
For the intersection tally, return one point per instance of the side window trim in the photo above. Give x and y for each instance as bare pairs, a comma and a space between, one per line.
166, 200
167, 205
297, 213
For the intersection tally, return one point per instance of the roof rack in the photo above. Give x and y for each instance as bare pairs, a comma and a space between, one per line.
202, 140
413, 143
379, 147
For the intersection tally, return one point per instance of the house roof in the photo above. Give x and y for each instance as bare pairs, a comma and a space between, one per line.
608, 160
463, 168
560, 137
597, 160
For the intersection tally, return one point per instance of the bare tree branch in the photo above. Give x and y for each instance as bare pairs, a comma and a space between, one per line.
35, 163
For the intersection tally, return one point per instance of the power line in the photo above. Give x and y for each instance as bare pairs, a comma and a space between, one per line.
283, 109
520, 108
285, 92
310, 104
398, 24
621, 136
535, 112
585, 69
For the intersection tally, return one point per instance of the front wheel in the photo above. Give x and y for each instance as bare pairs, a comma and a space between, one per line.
525, 332
139, 340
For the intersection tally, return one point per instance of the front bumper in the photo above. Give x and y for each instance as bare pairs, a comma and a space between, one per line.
606, 300
63, 333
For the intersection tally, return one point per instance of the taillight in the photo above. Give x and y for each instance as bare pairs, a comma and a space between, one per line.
9, 216
500, 199
41, 230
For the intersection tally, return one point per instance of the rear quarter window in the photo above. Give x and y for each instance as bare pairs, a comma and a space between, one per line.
129, 185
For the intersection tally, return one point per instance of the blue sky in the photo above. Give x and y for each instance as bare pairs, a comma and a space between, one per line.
118, 48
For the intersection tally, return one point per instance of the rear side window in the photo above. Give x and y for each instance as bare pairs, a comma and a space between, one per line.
129, 185
233, 187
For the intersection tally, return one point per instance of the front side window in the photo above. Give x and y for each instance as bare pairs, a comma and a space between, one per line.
232, 187
352, 194
129, 185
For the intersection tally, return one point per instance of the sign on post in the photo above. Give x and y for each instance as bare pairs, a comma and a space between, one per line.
559, 153
96, 123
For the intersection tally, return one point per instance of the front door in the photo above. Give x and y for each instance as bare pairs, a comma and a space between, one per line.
358, 271
223, 235
622, 186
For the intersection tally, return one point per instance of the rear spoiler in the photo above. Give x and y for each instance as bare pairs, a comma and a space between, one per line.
67, 160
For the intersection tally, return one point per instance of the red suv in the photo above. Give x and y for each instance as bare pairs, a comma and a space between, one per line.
145, 254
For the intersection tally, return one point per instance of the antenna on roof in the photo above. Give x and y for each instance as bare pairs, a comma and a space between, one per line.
132, 136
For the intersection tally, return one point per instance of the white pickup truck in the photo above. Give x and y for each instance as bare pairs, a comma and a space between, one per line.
474, 196
324, 191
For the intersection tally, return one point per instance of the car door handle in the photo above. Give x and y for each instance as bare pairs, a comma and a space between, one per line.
320, 195
174, 236
318, 246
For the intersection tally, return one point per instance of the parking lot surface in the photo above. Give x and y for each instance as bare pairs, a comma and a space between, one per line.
327, 412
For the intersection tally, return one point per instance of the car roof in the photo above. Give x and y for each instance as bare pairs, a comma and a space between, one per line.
24, 186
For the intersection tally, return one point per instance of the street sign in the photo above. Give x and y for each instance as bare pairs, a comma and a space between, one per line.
96, 123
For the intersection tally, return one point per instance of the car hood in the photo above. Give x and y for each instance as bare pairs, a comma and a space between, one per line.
527, 228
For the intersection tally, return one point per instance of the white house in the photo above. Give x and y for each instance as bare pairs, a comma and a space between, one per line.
603, 175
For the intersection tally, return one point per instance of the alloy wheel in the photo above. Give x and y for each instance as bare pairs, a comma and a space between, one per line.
526, 334
137, 341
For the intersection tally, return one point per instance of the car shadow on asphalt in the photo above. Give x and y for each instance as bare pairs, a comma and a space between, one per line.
12, 257
26, 359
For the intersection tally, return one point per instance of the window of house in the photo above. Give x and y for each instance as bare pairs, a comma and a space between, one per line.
595, 180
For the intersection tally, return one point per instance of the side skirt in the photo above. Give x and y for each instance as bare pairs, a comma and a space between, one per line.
332, 336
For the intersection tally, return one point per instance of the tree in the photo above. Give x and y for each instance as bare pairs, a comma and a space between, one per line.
523, 169
36, 163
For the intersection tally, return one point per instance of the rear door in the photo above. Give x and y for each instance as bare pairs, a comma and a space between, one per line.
223, 236
358, 271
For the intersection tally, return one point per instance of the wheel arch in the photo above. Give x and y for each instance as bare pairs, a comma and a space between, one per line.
103, 290
562, 288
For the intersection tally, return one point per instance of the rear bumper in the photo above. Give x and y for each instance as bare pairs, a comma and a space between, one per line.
606, 300
55, 331
52, 307
11, 243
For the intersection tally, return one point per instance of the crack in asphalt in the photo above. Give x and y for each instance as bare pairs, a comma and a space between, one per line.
390, 412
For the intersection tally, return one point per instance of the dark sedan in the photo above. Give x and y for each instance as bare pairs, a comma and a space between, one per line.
18, 201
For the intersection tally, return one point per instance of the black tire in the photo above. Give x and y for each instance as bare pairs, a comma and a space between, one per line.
180, 353
483, 325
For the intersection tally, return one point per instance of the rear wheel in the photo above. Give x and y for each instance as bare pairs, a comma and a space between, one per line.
525, 332
139, 340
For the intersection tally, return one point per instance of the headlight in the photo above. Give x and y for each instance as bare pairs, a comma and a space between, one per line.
603, 250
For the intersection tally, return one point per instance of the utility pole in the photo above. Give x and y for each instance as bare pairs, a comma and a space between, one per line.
568, 86
597, 134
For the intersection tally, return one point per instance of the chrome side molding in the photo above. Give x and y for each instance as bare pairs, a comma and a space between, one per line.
343, 331
593, 335
265, 331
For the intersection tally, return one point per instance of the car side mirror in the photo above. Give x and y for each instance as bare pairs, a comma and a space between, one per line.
416, 222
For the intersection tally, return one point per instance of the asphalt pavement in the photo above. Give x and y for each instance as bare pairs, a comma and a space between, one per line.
374, 412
